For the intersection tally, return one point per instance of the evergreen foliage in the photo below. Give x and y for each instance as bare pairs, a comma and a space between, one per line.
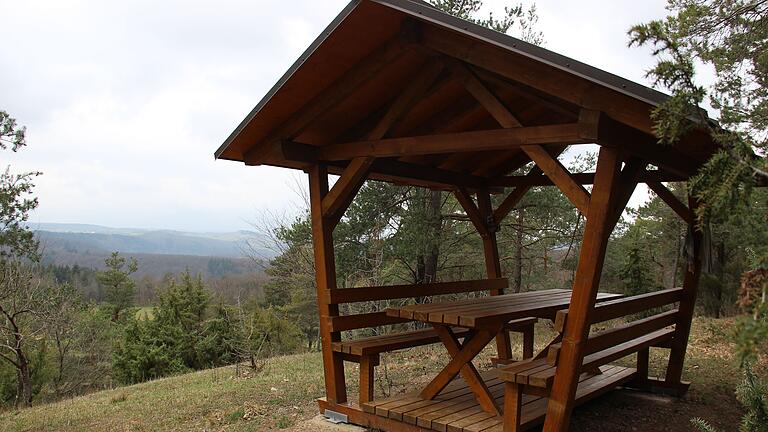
119, 288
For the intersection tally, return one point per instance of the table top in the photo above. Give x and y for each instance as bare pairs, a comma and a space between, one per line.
486, 311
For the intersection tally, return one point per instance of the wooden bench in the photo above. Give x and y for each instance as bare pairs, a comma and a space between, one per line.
365, 351
536, 376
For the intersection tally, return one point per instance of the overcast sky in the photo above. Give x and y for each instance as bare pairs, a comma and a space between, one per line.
125, 102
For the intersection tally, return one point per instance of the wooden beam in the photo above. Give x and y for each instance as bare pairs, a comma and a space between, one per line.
559, 106
407, 98
345, 189
473, 141
493, 264
332, 95
336, 202
581, 178
645, 145
486, 98
672, 201
355, 295
466, 201
549, 80
627, 184
687, 305
560, 176
514, 197
325, 276
585, 286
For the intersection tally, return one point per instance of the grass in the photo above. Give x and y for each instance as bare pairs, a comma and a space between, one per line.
283, 394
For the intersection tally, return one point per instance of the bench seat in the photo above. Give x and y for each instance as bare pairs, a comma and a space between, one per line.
540, 373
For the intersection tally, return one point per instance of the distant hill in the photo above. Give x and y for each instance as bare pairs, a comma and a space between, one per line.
95, 238
157, 251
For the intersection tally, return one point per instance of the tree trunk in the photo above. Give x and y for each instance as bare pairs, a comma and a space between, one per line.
24, 393
517, 268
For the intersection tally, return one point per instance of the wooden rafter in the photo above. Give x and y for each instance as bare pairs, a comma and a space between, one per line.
332, 95
629, 178
466, 201
354, 175
672, 201
335, 203
514, 198
560, 176
486, 98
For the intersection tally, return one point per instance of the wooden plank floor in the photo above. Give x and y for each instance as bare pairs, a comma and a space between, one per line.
455, 409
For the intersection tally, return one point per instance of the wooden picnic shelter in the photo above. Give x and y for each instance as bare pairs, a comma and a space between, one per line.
398, 91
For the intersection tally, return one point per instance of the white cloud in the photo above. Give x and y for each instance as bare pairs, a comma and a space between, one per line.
126, 101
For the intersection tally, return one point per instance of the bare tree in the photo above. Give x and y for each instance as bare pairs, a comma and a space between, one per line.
26, 305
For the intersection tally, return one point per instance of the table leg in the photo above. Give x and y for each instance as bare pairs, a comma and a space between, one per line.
461, 361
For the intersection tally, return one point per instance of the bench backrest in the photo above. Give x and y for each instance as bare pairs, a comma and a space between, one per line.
616, 342
394, 292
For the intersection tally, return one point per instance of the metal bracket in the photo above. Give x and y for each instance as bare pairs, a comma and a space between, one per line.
335, 417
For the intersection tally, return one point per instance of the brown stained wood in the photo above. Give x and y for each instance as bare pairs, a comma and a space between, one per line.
335, 93
336, 202
457, 410
359, 321
366, 379
509, 203
490, 310
468, 204
560, 107
468, 372
585, 290
560, 176
514, 197
325, 276
459, 361
581, 178
493, 264
486, 98
617, 308
672, 201
345, 189
644, 145
393, 341
548, 80
389, 292
620, 334
472, 141
513, 406
629, 178
687, 304
406, 99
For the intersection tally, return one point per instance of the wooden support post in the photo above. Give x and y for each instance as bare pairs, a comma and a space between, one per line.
643, 364
367, 364
585, 288
325, 274
493, 264
513, 404
687, 303
528, 341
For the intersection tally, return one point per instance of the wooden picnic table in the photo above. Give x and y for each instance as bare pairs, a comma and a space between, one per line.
485, 317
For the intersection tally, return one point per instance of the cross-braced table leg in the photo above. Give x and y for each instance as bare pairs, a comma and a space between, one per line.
461, 361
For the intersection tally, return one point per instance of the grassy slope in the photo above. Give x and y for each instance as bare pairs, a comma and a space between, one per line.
283, 394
